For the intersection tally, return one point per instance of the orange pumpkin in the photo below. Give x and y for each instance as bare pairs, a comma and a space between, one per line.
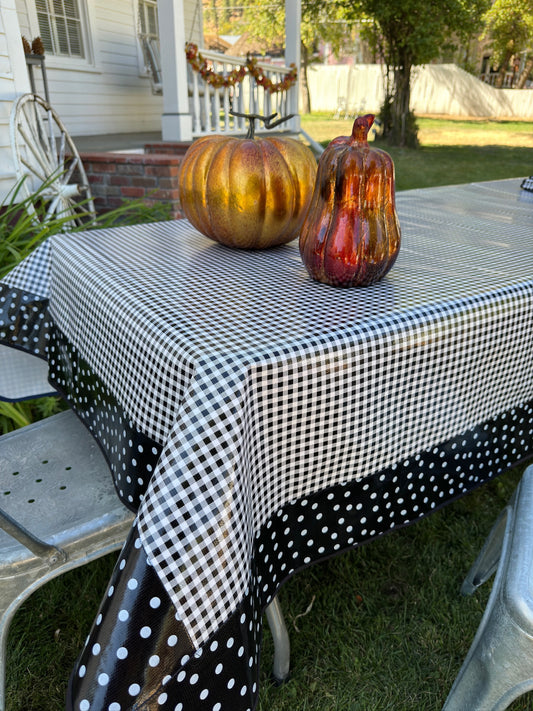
250, 193
351, 234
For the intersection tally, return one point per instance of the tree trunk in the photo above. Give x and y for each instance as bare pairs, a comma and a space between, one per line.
304, 84
403, 131
503, 70
524, 74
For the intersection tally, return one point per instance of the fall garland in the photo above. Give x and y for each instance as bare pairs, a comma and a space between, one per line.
199, 64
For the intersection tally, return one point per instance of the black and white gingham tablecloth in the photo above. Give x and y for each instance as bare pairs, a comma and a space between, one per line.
260, 421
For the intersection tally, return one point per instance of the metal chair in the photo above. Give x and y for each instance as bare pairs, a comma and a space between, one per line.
59, 509
499, 665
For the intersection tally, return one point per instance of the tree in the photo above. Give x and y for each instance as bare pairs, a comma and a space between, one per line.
407, 33
321, 20
222, 17
526, 70
509, 23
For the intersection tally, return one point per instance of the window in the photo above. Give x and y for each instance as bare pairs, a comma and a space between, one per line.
60, 27
149, 39
148, 19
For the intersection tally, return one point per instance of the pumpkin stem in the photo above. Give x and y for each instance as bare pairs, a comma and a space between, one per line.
267, 120
361, 127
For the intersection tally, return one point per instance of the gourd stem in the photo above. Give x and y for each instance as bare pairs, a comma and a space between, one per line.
267, 120
361, 127
251, 126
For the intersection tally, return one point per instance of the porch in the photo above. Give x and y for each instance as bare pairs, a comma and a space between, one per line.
221, 90
139, 166
199, 102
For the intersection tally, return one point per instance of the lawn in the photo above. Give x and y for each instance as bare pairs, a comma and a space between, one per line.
381, 628
451, 152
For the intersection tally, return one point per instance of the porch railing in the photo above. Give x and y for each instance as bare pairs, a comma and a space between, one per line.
509, 81
210, 106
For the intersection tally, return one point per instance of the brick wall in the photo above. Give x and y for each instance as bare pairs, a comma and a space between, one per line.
151, 176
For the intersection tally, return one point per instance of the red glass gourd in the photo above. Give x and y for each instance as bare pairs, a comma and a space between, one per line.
351, 234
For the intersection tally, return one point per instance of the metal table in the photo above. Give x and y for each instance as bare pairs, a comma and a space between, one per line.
260, 422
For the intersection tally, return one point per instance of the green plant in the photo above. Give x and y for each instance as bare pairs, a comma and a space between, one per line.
19, 414
22, 230
23, 226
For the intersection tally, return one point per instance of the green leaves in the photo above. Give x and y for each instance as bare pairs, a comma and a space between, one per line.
23, 226
24, 223
509, 23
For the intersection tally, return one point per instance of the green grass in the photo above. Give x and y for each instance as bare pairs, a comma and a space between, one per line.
387, 629
451, 152
475, 131
430, 166
47, 635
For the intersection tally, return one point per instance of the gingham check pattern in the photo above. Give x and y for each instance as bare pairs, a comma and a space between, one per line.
33, 274
22, 376
264, 386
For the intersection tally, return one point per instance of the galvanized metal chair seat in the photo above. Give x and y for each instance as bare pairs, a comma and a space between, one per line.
499, 665
59, 510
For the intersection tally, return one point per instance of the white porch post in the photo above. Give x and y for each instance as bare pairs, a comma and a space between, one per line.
176, 122
293, 20
17, 72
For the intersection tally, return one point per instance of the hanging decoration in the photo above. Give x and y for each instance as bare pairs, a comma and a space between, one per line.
236, 76
268, 85
199, 64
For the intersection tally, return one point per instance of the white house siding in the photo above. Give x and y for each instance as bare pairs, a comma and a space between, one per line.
192, 12
112, 94
12, 83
